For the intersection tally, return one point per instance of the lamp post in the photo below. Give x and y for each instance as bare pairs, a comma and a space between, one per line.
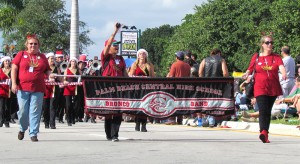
74, 32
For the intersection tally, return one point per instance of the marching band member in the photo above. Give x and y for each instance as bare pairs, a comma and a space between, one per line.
49, 96
113, 65
79, 98
141, 67
5, 101
70, 90
60, 103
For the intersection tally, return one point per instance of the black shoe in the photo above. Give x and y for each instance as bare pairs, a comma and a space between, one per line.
137, 127
21, 135
52, 127
1, 124
34, 139
144, 130
109, 138
93, 120
69, 124
12, 121
61, 121
6, 125
73, 122
86, 118
47, 126
80, 120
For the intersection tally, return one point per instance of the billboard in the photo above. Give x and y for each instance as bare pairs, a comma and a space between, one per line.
129, 43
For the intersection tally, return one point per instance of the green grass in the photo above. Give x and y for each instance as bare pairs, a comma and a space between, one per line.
287, 121
290, 120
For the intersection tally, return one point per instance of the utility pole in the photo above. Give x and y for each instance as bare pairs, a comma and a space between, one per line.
74, 32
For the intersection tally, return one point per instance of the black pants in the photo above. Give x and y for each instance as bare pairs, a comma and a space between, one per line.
4, 110
49, 111
60, 104
14, 106
70, 110
140, 121
112, 126
265, 104
79, 106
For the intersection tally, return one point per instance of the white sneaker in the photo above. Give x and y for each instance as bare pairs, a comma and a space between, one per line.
115, 140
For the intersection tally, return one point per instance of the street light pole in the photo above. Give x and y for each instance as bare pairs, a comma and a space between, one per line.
74, 32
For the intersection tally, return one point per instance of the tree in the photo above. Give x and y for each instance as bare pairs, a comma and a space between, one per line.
235, 27
154, 40
9, 9
46, 18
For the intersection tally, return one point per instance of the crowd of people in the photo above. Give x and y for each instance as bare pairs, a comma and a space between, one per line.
30, 71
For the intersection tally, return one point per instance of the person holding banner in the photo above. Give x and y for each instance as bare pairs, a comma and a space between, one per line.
141, 67
71, 90
266, 82
113, 65
5, 100
49, 96
27, 76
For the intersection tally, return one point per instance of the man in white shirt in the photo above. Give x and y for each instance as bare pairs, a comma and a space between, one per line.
289, 65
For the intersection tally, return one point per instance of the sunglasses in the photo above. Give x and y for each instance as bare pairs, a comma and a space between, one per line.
269, 42
33, 44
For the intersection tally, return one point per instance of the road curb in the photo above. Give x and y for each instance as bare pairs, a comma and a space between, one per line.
254, 127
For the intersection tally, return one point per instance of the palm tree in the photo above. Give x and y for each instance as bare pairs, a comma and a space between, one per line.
74, 38
9, 9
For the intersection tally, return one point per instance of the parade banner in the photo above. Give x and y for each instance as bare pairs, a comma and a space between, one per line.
129, 42
158, 97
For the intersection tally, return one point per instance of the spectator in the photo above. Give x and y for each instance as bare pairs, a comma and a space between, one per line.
179, 68
194, 58
266, 82
289, 65
213, 66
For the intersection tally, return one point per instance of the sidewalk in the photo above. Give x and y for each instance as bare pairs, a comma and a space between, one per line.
254, 127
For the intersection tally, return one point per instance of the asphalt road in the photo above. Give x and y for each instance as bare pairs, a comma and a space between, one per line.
86, 143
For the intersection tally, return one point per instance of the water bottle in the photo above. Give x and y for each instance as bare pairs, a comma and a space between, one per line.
199, 121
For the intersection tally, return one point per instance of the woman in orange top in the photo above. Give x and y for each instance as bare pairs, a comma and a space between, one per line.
5, 92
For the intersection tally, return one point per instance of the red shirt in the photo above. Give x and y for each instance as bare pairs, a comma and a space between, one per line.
70, 90
180, 69
266, 75
114, 67
31, 81
49, 91
139, 72
4, 89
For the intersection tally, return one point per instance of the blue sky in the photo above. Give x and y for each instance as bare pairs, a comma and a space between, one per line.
100, 16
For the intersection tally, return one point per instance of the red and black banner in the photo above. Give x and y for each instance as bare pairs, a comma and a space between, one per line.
158, 97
